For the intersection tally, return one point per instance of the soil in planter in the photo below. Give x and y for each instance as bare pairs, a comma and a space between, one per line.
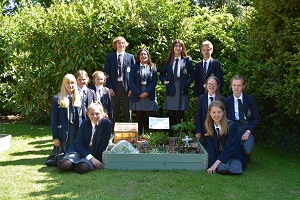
172, 147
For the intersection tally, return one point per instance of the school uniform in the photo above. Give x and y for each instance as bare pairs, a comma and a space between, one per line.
177, 94
61, 126
104, 97
251, 115
83, 148
201, 113
213, 68
143, 78
138, 87
229, 150
88, 96
120, 85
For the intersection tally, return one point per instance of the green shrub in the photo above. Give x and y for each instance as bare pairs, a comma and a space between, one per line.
43, 46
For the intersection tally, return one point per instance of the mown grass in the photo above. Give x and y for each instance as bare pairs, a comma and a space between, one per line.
272, 174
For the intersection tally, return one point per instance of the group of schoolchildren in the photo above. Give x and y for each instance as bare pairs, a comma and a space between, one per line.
82, 118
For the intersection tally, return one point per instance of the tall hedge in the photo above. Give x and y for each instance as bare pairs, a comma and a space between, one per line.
270, 61
39, 45
42, 45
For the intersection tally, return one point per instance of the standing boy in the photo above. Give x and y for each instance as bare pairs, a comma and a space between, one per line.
117, 68
205, 68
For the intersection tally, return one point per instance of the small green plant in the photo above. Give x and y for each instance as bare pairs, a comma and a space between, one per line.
185, 128
158, 138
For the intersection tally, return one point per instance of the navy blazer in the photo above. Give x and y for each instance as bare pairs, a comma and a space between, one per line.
105, 99
201, 114
135, 80
60, 120
111, 70
214, 69
187, 76
90, 98
231, 143
81, 144
250, 110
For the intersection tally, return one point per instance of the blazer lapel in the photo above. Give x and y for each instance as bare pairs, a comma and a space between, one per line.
216, 140
125, 58
182, 63
245, 104
98, 133
209, 68
206, 102
115, 62
88, 135
231, 107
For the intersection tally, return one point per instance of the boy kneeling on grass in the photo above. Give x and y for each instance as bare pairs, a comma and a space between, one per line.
85, 153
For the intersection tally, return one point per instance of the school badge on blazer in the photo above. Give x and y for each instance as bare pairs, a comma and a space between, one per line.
128, 69
249, 114
184, 71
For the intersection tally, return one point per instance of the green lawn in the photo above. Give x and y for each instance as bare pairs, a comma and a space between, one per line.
272, 174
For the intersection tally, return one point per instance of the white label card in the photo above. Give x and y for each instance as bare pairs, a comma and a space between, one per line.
158, 123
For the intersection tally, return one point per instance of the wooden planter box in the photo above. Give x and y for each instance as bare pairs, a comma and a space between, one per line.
146, 161
5, 142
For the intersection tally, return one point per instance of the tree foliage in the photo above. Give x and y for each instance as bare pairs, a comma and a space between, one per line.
270, 62
43, 46
40, 44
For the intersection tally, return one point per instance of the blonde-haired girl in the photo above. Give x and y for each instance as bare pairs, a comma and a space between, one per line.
224, 146
85, 153
65, 118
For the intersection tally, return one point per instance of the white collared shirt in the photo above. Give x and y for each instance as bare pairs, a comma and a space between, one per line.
178, 69
80, 90
208, 100
217, 126
91, 140
236, 106
98, 93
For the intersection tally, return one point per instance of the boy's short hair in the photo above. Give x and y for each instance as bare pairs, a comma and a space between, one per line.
207, 43
238, 77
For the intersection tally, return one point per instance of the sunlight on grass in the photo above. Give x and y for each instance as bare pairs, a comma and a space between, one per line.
272, 174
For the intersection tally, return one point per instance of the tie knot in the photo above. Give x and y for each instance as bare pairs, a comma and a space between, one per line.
239, 100
96, 126
211, 98
177, 60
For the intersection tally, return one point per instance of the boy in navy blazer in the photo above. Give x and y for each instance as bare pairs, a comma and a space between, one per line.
117, 68
243, 109
205, 68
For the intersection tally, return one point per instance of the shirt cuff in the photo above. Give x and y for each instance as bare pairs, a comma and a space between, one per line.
89, 156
